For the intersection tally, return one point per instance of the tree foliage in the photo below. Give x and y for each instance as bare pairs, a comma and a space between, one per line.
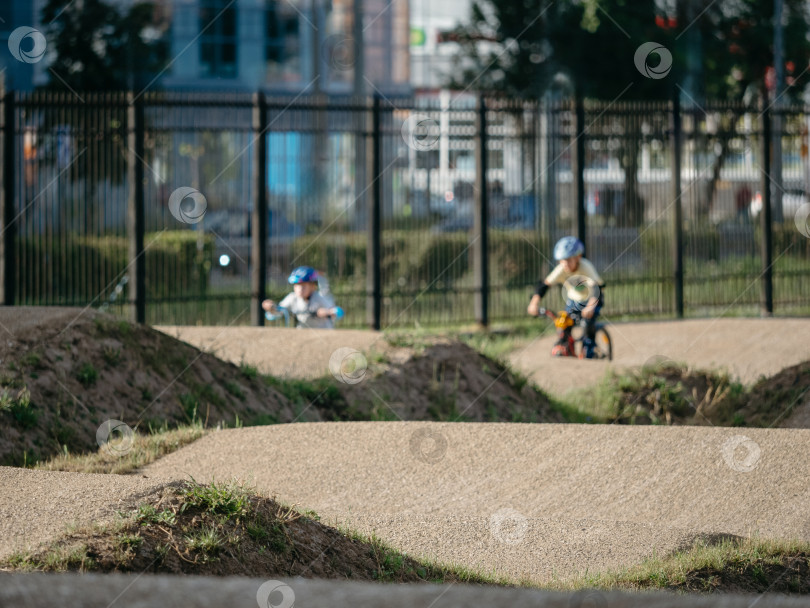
96, 47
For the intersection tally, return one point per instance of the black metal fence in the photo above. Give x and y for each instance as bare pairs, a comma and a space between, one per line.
190, 208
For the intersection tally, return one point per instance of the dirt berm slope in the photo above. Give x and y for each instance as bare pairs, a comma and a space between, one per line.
66, 371
63, 372
526, 501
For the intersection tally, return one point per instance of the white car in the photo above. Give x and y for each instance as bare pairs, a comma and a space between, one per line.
791, 201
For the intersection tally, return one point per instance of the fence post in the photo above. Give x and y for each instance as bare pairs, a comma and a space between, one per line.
677, 217
7, 283
135, 209
767, 225
258, 224
481, 219
373, 276
579, 168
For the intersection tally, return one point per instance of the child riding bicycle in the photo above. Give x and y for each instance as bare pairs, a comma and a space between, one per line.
311, 308
573, 272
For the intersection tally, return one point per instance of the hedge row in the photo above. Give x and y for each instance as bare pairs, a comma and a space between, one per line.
81, 268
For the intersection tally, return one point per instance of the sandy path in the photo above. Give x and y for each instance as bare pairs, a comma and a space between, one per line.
37, 506
522, 499
277, 351
746, 348
140, 591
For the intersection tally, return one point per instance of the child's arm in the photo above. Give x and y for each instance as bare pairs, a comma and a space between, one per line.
534, 304
269, 305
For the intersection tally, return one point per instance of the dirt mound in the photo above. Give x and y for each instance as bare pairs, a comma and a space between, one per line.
533, 501
671, 393
446, 380
224, 530
61, 380
63, 377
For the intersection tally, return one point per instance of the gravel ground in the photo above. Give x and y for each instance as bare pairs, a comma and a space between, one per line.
136, 591
279, 351
526, 500
746, 348
38, 506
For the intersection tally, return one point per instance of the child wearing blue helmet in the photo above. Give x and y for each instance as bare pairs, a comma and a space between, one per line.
311, 308
581, 283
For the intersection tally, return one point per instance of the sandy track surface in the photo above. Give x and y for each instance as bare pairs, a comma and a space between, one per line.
37, 506
527, 500
746, 348
279, 351
136, 591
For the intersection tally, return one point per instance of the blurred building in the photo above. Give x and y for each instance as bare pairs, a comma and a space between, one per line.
281, 46
432, 45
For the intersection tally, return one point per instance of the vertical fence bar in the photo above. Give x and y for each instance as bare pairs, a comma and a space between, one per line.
258, 232
677, 216
135, 209
9, 232
373, 276
767, 225
481, 219
579, 169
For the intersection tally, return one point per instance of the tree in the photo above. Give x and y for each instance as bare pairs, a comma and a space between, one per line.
586, 49
98, 48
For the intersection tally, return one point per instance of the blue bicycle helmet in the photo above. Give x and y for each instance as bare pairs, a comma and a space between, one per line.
303, 274
568, 247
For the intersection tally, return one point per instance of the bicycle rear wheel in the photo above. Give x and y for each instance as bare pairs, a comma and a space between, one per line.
603, 345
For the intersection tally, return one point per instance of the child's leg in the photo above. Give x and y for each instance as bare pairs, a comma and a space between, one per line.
588, 340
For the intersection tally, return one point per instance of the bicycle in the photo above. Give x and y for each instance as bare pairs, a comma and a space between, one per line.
566, 345
284, 314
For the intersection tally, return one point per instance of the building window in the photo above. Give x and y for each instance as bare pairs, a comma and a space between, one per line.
218, 41
282, 49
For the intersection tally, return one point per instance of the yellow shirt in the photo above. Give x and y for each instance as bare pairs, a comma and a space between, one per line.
559, 276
